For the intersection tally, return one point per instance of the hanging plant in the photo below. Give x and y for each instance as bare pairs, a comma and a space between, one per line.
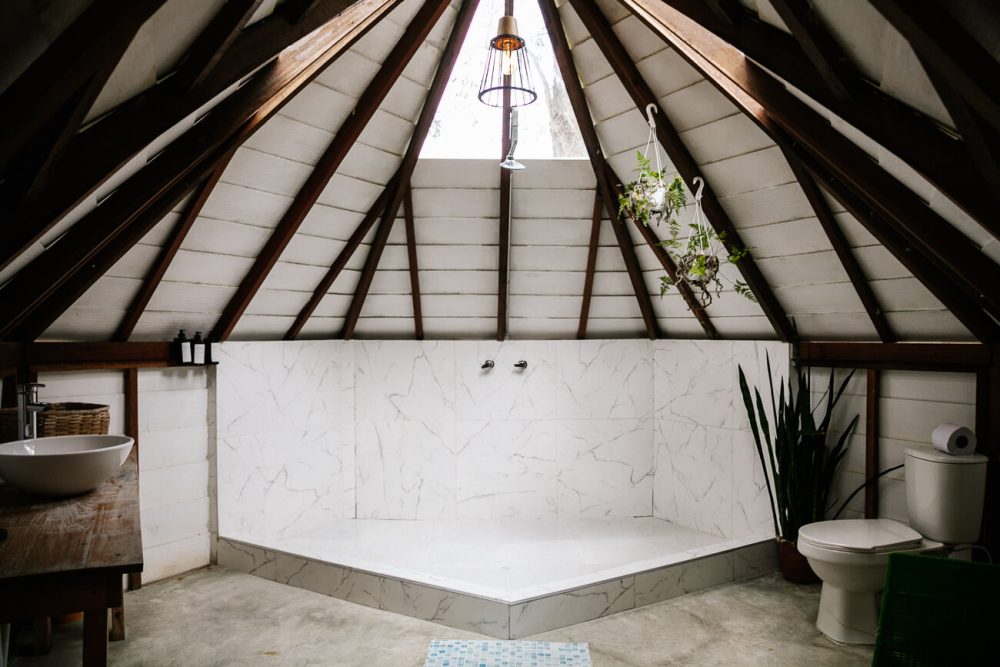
700, 254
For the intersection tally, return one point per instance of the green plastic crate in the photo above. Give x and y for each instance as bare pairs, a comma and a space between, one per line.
939, 611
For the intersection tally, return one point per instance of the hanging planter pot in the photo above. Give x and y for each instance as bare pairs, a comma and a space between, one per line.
699, 256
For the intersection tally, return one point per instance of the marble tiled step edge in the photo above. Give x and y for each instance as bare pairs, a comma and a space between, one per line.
493, 617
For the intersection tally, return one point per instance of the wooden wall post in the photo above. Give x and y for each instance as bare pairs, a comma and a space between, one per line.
871, 443
988, 443
131, 391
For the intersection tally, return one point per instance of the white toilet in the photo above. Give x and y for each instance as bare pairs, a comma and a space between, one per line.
944, 499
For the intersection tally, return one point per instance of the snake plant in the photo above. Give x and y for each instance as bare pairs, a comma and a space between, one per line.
796, 454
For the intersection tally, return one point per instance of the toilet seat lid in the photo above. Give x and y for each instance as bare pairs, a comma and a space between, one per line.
861, 535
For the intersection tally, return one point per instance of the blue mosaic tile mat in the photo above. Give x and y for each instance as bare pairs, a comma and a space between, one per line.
496, 653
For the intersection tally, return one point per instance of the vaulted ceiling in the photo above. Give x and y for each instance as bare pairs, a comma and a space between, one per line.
251, 169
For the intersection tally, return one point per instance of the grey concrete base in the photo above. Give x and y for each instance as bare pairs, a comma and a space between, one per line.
504, 619
219, 617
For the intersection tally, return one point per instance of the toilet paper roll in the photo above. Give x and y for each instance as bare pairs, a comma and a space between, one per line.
954, 439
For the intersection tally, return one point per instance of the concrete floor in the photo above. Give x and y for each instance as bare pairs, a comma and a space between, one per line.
218, 617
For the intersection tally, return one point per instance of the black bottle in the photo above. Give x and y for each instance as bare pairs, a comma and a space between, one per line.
197, 350
182, 349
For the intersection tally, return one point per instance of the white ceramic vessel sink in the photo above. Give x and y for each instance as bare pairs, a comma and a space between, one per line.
63, 465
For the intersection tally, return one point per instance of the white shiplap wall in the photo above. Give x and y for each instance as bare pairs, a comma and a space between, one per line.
173, 457
911, 405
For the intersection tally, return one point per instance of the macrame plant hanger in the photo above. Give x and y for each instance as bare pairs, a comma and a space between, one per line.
657, 191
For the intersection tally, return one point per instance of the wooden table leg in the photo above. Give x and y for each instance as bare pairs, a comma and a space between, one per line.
117, 624
95, 638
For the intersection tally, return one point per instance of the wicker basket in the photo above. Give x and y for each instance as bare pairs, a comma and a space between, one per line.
60, 419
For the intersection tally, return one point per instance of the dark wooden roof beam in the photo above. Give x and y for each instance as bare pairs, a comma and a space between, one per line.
411, 254
588, 276
920, 141
777, 112
209, 47
415, 34
167, 253
642, 95
434, 94
98, 151
574, 90
947, 47
819, 46
840, 246
142, 200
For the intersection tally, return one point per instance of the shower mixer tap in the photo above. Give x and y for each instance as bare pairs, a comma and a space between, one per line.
488, 364
521, 364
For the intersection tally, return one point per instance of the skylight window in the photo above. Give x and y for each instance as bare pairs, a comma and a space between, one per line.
466, 128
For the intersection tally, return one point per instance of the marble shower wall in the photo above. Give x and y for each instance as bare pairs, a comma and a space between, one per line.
313, 431
707, 475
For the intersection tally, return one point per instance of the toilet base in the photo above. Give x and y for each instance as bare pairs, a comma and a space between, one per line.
848, 617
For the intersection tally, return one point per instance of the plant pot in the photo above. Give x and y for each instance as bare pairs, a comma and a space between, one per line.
794, 566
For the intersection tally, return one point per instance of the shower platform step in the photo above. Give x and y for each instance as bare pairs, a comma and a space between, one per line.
505, 579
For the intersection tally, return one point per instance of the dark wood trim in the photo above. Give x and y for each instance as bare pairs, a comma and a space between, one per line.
86, 51
914, 137
767, 102
353, 243
588, 276
211, 44
503, 246
167, 253
968, 312
94, 356
130, 385
642, 95
423, 125
871, 443
143, 199
725, 10
980, 139
819, 46
958, 357
988, 444
104, 147
411, 254
841, 246
581, 111
947, 47
348, 133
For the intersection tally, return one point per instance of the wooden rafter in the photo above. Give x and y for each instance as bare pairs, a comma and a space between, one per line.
588, 276
393, 66
770, 104
819, 46
726, 10
574, 90
840, 245
411, 254
95, 40
918, 140
962, 306
434, 94
982, 140
167, 253
642, 95
209, 47
947, 47
97, 152
154, 190
43, 109
352, 245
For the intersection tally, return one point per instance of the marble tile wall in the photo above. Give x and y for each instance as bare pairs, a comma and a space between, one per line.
707, 475
309, 432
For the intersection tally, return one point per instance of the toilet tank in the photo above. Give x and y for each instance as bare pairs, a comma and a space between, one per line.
944, 494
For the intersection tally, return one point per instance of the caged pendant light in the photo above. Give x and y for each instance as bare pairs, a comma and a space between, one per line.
507, 68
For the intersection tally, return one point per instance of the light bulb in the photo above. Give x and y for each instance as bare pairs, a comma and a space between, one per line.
508, 62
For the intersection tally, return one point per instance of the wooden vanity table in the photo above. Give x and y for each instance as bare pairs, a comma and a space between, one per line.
66, 555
